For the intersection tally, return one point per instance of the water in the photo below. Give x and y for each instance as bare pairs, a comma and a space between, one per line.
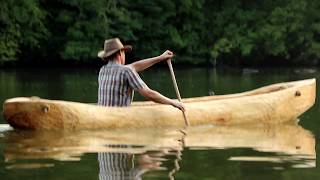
263, 152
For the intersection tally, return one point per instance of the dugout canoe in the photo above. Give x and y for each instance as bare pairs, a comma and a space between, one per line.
273, 104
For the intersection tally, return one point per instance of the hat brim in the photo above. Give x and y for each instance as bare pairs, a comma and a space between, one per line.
102, 54
127, 48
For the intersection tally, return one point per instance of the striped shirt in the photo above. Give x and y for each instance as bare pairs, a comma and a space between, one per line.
116, 84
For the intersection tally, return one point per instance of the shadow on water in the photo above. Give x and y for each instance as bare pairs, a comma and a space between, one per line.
148, 152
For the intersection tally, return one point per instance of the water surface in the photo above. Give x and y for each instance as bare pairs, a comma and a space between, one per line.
252, 152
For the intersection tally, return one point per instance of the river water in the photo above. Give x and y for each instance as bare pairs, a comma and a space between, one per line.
206, 152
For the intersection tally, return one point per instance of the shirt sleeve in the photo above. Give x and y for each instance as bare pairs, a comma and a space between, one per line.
135, 82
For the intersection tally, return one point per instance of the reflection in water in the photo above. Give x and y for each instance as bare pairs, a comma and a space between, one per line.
132, 153
306, 162
29, 166
114, 166
118, 166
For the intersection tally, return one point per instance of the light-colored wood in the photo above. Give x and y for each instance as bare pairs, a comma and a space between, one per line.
274, 104
289, 141
175, 85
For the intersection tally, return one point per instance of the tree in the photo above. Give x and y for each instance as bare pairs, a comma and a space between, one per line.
241, 32
22, 29
78, 28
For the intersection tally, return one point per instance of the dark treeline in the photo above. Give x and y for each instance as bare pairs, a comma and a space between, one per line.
237, 32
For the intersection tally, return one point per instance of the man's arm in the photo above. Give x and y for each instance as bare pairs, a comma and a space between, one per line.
146, 63
159, 98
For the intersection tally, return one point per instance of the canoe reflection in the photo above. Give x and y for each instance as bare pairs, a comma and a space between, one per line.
142, 150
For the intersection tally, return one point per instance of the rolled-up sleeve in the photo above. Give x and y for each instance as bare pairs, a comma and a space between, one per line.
134, 80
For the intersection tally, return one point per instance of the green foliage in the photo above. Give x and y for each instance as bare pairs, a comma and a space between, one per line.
78, 28
278, 29
22, 28
198, 31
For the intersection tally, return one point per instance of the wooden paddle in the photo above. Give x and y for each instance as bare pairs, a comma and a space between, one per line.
176, 89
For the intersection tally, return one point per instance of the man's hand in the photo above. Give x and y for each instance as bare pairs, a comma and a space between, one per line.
166, 55
178, 105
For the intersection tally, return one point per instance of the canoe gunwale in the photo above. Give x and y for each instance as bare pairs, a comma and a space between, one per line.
274, 88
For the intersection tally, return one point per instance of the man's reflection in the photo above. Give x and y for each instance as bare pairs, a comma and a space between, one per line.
114, 165
118, 166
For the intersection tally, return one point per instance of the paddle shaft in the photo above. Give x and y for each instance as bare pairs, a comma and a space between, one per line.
176, 89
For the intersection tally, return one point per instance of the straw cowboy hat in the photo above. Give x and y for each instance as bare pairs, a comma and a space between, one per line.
111, 46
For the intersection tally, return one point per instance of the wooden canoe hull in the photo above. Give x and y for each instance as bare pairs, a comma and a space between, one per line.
273, 104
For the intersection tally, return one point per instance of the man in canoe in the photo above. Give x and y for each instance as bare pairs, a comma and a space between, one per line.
117, 80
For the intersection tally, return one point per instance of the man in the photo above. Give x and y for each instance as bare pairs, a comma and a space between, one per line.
117, 80
116, 84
